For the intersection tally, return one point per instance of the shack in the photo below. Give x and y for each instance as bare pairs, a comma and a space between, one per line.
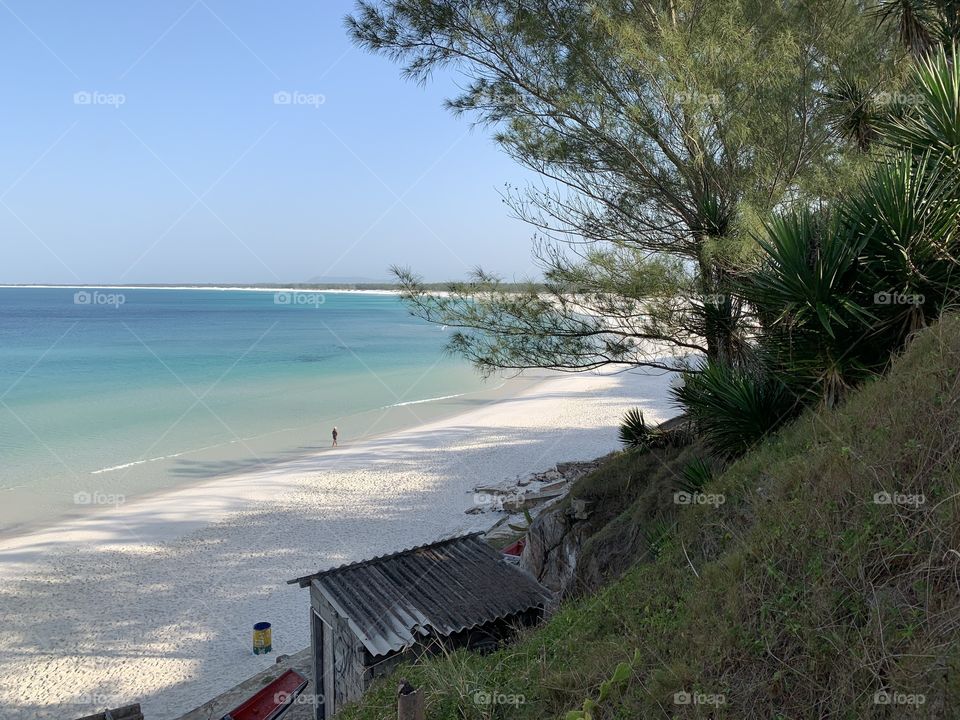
367, 617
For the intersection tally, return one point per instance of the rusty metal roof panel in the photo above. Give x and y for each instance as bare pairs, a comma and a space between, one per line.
441, 588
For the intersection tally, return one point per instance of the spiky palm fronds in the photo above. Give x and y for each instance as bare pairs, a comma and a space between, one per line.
809, 262
907, 213
852, 113
932, 124
734, 408
915, 22
696, 475
634, 432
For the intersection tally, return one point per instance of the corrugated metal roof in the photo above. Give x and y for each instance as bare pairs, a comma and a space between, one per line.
440, 588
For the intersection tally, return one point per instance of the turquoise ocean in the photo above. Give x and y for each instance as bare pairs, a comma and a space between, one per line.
124, 392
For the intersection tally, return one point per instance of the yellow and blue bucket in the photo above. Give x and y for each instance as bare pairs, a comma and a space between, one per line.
262, 638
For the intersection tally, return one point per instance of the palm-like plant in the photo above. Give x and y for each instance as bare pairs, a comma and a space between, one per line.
916, 22
852, 113
906, 215
815, 318
922, 25
696, 475
932, 124
809, 261
634, 431
838, 292
734, 408
949, 21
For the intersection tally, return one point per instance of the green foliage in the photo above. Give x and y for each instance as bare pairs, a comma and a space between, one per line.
852, 113
805, 582
663, 131
906, 213
621, 674
932, 122
804, 292
734, 408
656, 533
838, 290
922, 25
696, 474
634, 432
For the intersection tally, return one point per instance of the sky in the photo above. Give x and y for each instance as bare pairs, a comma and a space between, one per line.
234, 141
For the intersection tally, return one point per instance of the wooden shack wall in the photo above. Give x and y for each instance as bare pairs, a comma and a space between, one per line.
342, 657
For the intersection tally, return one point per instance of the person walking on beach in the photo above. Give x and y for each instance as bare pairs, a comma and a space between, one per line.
335, 433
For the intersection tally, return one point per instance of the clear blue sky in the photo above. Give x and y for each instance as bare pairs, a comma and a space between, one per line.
182, 168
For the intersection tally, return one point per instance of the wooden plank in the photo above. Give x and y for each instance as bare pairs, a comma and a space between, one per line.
127, 712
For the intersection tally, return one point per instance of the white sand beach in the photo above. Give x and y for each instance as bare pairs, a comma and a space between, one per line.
153, 601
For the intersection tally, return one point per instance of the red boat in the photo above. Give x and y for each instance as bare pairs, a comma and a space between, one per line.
272, 700
515, 549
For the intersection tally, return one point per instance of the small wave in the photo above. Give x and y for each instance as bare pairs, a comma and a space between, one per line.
114, 468
426, 400
132, 464
117, 467
434, 399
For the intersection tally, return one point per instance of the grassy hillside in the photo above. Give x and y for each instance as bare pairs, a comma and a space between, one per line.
803, 595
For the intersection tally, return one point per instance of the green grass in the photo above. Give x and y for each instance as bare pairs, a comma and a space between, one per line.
798, 597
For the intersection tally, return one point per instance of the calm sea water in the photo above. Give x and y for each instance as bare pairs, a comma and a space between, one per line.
128, 391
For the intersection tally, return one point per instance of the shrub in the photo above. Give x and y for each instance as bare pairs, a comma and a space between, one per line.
696, 475
734, 408
636, 434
